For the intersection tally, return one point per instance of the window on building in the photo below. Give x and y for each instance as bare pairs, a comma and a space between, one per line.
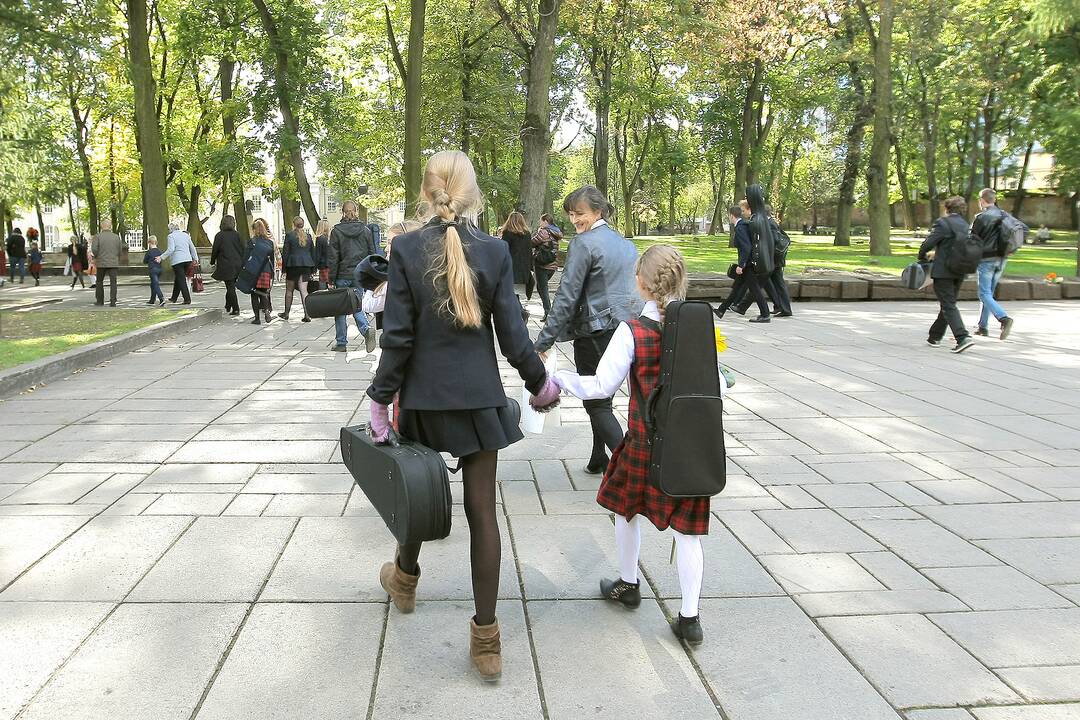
47, 209
50, 236
256, 203
332, 205
401, 206
134, 239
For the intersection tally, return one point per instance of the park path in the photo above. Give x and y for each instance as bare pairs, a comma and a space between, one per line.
900, 537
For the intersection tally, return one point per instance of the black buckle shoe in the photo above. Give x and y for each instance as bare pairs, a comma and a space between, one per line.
688, 629
620, 591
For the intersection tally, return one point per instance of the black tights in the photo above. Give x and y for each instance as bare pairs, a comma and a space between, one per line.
260, 302
78, 279
485, 543
291, 285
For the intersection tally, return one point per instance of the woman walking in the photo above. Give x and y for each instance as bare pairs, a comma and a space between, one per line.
450, 293
181, 255
260, 295
79, 261
322, 248
298, 261
597, 292
227, 257
516, 235
545, 249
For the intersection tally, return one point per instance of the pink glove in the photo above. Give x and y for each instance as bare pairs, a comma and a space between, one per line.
380, 422
548, 397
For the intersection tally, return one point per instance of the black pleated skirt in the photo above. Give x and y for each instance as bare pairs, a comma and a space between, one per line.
461, 432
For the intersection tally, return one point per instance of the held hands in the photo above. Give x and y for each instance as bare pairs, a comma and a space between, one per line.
738, 270
548, 397
380, 422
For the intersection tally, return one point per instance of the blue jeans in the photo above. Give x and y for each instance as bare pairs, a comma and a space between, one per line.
990, 271
17, 263
155, 287
341, 322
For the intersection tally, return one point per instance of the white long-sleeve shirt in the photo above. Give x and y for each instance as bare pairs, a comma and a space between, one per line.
374, 301
614, 366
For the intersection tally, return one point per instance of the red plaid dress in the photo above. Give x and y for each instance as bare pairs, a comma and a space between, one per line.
626, 489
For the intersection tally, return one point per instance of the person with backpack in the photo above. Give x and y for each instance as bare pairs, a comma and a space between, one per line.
16, 255
955, 255
350, 242
635, 351
746, 282
774, 284
450, 294
987, 226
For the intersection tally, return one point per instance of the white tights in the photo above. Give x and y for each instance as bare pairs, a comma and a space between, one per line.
689, 558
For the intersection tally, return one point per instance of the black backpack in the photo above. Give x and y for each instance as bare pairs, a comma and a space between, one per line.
684, 413
965, 250
781, 243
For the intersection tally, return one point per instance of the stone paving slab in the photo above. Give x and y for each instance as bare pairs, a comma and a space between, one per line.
299, 660
124, 670
923, 666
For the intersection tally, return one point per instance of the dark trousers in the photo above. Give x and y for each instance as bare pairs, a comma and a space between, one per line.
946, 290
606, 430
155, 288
231, 303
17, 263
747, 283
179, 282
543, 275
99, 291
260, 302
775, 287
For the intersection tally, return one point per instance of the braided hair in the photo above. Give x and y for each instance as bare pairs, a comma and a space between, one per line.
661, 271
449, 191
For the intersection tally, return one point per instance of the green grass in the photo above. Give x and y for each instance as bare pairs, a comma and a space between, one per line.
710, 253
33, 334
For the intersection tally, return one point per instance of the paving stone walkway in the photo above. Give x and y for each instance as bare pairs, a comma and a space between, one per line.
900, 537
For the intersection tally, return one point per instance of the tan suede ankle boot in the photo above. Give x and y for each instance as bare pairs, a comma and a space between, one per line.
485, 649
399, 585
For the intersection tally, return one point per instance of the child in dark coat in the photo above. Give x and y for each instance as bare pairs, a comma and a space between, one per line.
153, 266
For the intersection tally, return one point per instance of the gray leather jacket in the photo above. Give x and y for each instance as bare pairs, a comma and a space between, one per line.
597, 289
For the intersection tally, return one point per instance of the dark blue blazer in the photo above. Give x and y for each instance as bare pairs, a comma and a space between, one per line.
743, 242
435, 364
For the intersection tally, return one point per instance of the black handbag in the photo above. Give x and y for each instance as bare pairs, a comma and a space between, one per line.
331, 303
314, 284
731, 271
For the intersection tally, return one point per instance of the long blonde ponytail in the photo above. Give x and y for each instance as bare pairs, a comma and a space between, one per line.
450, 192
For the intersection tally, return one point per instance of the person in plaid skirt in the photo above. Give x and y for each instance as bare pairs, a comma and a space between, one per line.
635, 351
260, 296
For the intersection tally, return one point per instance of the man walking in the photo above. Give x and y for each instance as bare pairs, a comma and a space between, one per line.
350, 242
948, 232
106, 249
987, 227
745, 279
16, 254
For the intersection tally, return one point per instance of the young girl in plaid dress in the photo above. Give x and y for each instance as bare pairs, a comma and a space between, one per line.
635, 351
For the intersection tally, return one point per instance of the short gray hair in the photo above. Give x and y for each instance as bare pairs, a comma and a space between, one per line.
173, 227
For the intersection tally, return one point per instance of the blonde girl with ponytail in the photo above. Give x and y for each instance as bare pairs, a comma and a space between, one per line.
634, 352
449, 296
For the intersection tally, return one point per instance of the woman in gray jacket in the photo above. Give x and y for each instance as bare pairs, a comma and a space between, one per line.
181, 254
597, 292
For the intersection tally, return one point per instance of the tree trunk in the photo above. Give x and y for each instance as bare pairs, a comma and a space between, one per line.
227, 69
877, 172
929, 111
1020, 191
746, 138
194, 222
147, 130
41, 226
536, 129
988, 136
789, 183
81, 135
973, 163
601, 72
289, 121
74, 221
906, 200
413, 98
719, 197
856, 133
290, 208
